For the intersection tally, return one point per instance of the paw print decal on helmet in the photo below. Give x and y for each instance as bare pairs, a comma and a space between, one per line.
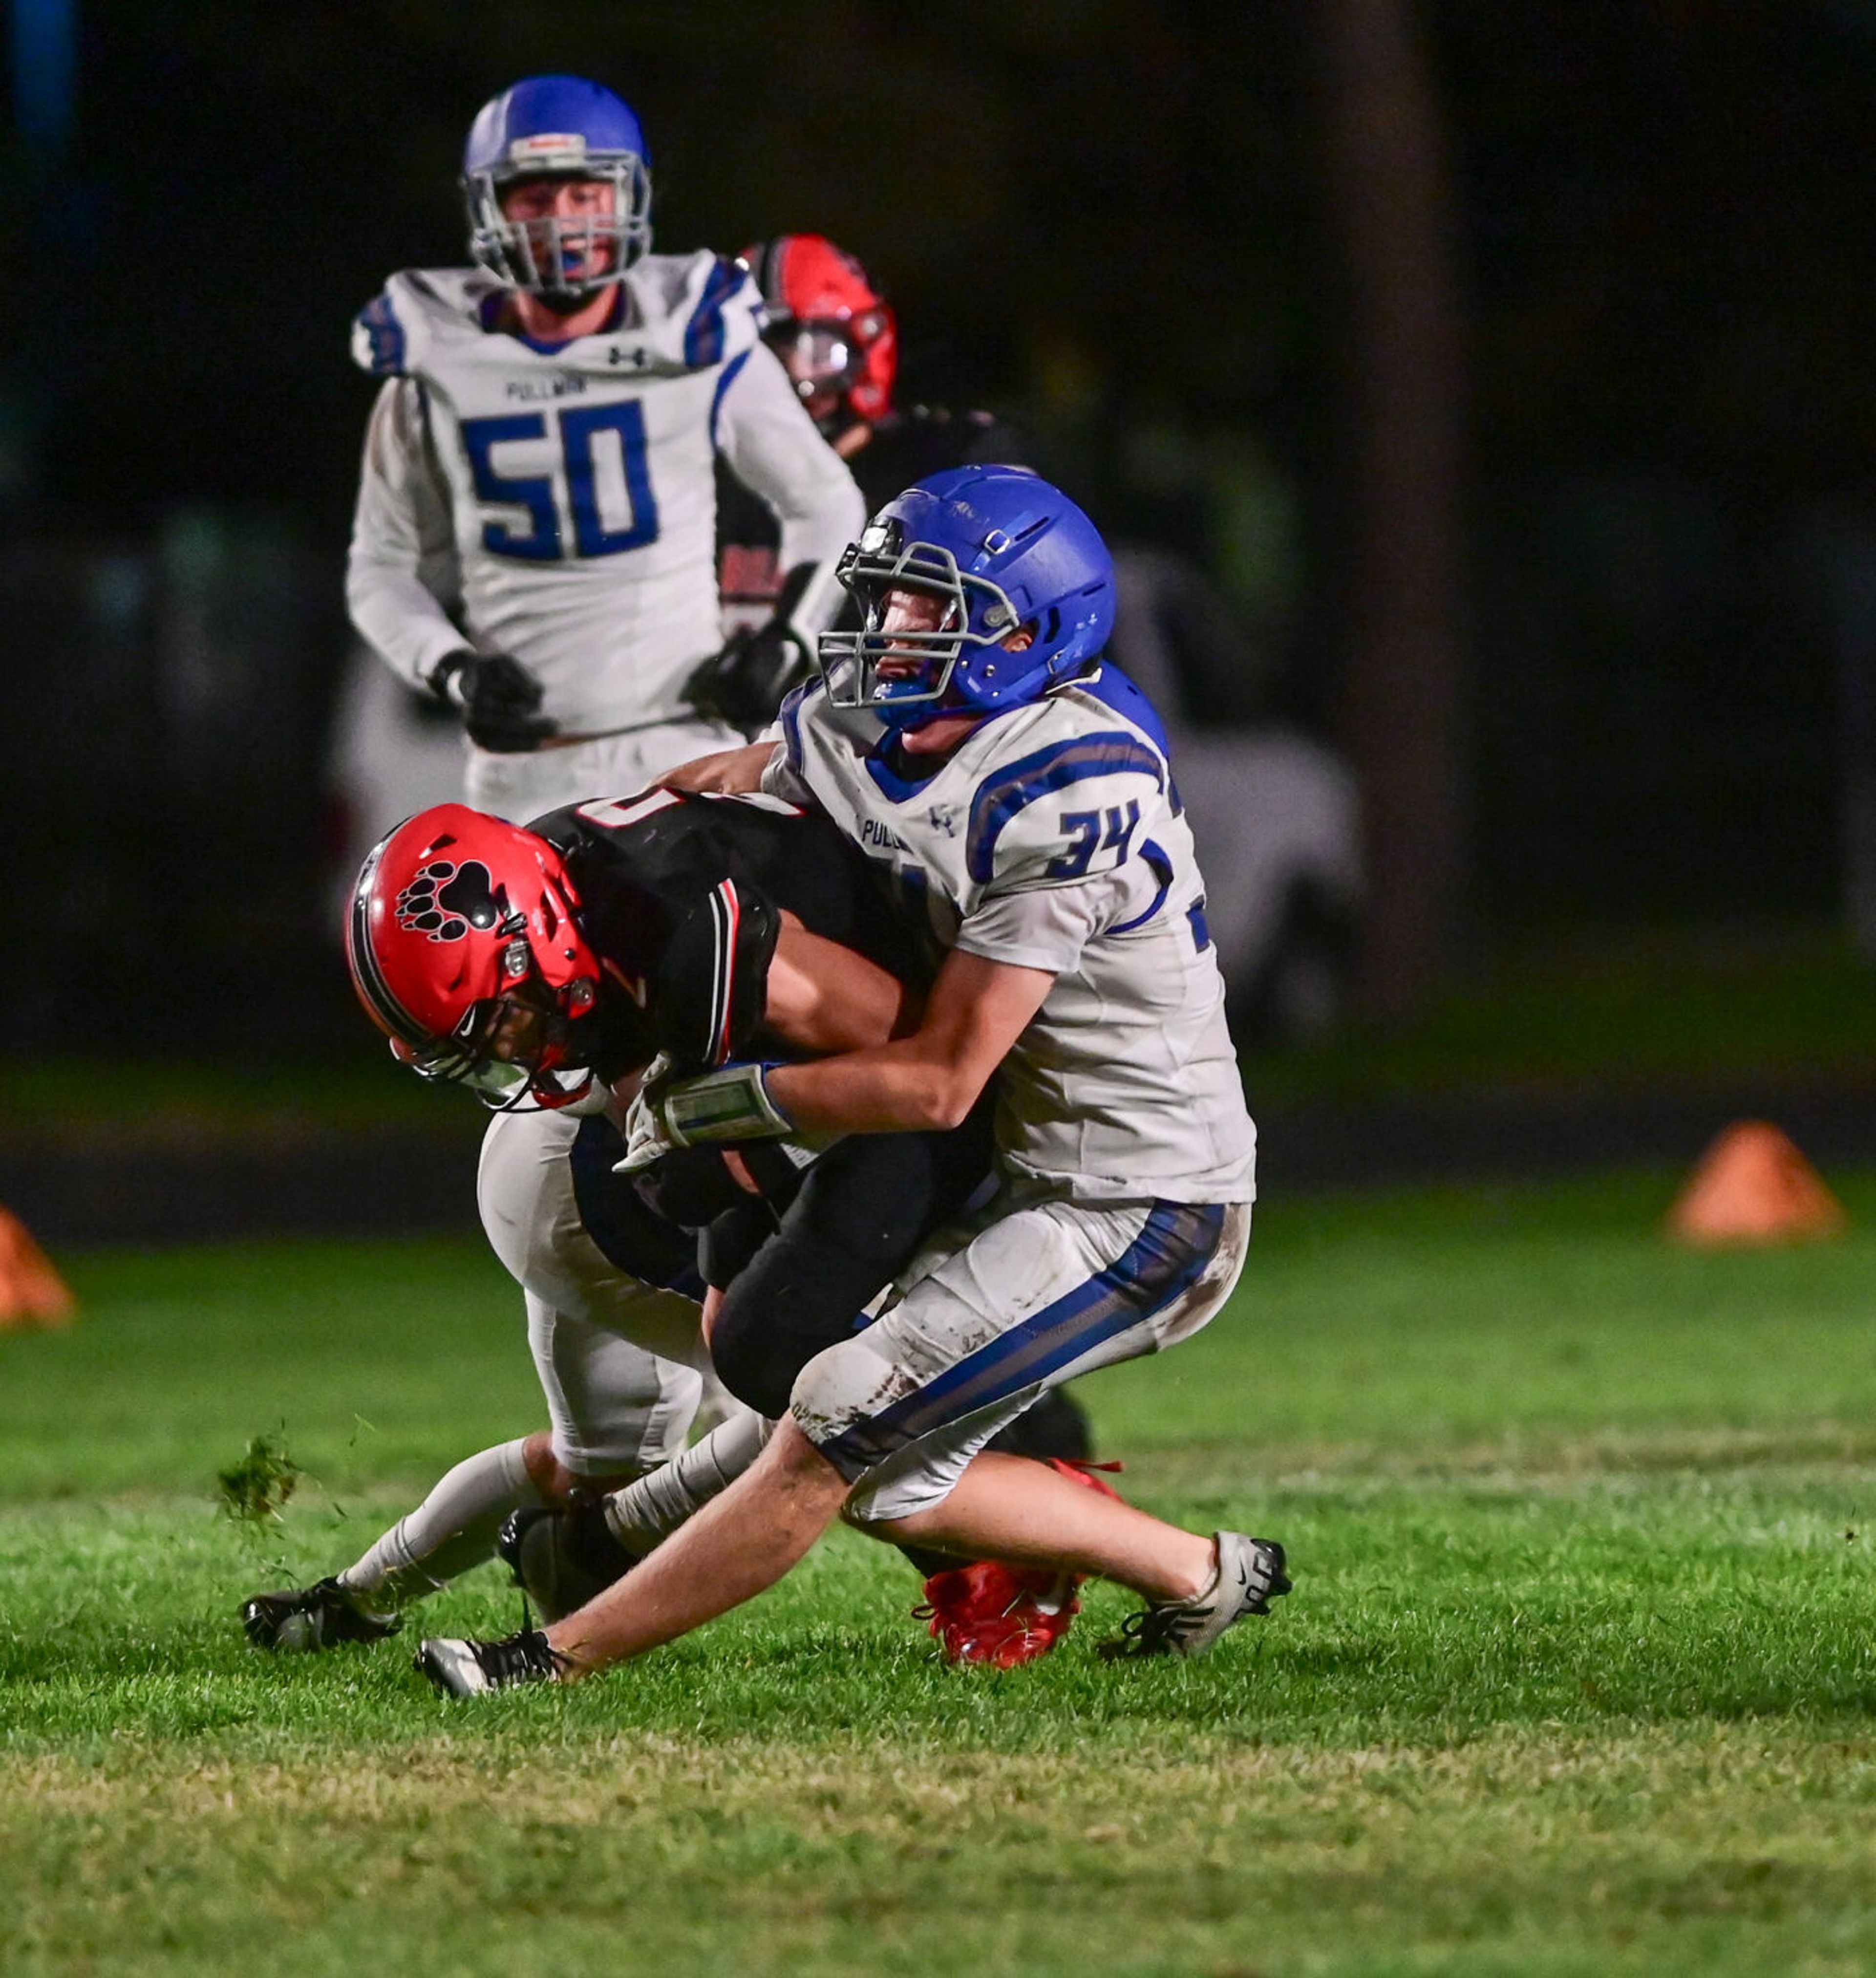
445, 901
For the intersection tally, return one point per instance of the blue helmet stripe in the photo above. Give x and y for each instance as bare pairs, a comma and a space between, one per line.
1004, 796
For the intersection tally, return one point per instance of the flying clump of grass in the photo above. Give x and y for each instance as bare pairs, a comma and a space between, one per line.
256, 1488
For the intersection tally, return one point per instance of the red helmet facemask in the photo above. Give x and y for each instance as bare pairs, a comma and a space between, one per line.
464, 951
828, 322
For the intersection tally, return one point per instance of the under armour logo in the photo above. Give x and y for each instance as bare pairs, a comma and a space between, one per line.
944, 818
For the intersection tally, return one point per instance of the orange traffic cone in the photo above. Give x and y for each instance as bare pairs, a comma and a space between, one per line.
31, 1292
1752, 1186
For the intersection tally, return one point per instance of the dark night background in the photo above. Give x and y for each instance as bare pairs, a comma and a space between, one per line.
1126, 224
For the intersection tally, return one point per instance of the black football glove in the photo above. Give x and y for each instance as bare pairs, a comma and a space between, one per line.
745, 683
500, 700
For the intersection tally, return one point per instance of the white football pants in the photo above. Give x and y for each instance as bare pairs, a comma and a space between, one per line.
623, 1364
1047, 1291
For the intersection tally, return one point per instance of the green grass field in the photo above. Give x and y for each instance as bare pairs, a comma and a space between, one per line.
1578, 1676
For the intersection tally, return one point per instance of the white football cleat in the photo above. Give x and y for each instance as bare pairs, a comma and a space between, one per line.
1250, 1574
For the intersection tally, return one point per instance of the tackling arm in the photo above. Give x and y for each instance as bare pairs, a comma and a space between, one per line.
729, 772
823, 997
930, 1080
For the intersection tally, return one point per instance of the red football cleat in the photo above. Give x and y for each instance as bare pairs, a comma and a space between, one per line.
1005, 1615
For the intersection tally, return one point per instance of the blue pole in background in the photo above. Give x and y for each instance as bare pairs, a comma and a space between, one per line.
45, 46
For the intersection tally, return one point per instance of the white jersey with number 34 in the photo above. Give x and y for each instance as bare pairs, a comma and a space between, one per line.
1054, 839
560, 501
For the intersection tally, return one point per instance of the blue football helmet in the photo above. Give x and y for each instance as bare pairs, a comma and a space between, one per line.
998, 550
559, 127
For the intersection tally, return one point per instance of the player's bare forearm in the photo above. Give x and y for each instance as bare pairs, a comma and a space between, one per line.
731, 772
931, 1080
823, 997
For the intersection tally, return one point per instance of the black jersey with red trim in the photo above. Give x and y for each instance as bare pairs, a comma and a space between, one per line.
681, 898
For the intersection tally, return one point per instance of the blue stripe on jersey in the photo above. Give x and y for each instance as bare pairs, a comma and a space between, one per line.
1114, 689
726, 377
379, 322
1164, 1261
703, 335
1162, 870
1002, 796
887, 780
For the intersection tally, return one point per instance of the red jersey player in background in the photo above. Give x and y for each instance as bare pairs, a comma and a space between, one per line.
838, 340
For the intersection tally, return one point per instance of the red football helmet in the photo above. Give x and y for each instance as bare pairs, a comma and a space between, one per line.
464, 951
828, 324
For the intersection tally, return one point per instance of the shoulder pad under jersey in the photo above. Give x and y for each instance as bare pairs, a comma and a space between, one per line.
711, 988
395, 331
1077, 801
696, 310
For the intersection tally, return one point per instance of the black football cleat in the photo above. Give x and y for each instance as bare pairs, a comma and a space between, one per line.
307, 1618
562, 1560
463, 1668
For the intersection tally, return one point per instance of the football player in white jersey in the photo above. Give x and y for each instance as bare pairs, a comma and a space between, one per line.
968, 740
534, 537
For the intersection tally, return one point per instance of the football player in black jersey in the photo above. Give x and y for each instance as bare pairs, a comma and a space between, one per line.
606, 934
837, 339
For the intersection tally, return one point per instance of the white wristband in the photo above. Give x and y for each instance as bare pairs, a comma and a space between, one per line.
731, 1104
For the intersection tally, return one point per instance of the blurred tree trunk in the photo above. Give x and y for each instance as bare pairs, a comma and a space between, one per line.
1401, 395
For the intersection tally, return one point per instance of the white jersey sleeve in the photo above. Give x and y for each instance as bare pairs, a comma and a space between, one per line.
781, 777
402, 576
777, 451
